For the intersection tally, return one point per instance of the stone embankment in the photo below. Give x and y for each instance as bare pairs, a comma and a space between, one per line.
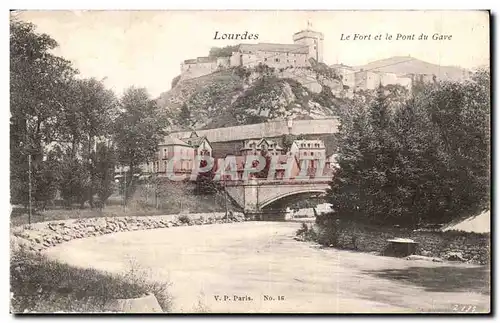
40, 236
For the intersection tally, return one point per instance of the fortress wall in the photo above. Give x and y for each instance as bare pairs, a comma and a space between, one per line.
267, 129
284, 59
234, 60
190, 71
223, 62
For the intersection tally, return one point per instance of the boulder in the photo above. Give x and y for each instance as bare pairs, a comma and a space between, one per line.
417, 257
454, 256
145, 304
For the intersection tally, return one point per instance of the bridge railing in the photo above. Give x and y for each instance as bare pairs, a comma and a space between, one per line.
263, 181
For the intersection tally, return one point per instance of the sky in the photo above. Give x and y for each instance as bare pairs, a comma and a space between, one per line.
145, 48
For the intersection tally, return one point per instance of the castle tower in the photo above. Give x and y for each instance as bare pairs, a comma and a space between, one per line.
313, 39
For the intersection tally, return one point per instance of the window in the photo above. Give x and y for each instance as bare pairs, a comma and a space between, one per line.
308, 145
312, 154
276, 59
265, 59
288, 61
314, 46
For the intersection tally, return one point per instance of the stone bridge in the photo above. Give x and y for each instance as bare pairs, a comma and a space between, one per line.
255, 194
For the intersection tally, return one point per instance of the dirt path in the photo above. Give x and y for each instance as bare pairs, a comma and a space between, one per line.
258, 267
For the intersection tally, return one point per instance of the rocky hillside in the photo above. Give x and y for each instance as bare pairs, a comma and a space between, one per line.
251, 95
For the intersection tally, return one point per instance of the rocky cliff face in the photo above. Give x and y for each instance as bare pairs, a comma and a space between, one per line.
240, 96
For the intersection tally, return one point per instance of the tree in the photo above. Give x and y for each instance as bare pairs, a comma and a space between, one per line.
139, 128
459, 114
427, 163
175, 81
105, 161
263, 173
45, 184
185, 115
205, 185
86, 121
74, 180
288, 139
39, 83
222, 52
365, 186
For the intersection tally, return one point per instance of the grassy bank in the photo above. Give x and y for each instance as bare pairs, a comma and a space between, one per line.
45, 286
174, 198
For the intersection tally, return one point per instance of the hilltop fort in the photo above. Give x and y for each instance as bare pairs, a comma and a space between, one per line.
307, 45
306, 51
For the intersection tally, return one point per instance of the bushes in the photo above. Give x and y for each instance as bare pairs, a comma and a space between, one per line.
185, 219
42, 285
426, 162
307, 233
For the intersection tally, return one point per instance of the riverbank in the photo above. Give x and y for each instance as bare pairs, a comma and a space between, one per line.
40, 236
259, 259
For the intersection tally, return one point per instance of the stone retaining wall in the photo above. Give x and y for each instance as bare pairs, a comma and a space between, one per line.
470, 247
40, 236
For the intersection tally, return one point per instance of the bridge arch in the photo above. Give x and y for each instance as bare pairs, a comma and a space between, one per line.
281, 196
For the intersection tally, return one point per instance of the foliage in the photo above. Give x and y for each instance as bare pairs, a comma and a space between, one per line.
325, 97
46, 182
395, 95
426, 162
183, 218
307, 233
324, 70
205, 185
105, 161
175, 80
262, 102
56, 119
288, 139
39, 83
222, 52
185, 115
42, 285
242, 72
264, 172
138, 129
74, 180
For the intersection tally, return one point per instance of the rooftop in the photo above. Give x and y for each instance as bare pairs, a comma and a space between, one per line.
258, 143
194, 141
271, 129
271, 47
172, 141
311, 142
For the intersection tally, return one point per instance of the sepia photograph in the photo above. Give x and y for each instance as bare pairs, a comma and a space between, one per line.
250, 161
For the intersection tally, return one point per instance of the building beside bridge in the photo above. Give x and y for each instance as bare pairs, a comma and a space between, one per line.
246, 140
184, 150
258, 146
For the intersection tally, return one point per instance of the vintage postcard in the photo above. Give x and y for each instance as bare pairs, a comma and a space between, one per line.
250, 162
